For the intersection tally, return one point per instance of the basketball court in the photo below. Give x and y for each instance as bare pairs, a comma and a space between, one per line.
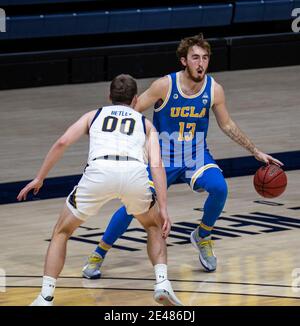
256, 239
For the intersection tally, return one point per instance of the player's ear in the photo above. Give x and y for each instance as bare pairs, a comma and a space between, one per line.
110, 98
183, 61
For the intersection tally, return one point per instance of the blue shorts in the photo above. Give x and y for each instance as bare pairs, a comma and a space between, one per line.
185, 174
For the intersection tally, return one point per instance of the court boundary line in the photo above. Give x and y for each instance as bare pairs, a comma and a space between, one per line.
152, 279
151, 290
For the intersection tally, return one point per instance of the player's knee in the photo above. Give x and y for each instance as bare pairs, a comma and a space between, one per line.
218, 189
62, 230
154, 231
149, 224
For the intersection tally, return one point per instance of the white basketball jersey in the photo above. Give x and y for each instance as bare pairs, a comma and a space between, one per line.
118, 130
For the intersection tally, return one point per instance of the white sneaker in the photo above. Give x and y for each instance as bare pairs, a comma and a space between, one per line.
41, 301
164, 294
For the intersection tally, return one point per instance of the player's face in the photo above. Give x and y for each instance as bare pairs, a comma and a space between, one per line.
196, 63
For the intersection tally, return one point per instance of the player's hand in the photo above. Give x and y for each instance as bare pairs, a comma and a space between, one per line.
268, 159
34, 185
166, 223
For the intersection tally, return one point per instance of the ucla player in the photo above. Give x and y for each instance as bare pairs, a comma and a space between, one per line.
183, 103
116, 169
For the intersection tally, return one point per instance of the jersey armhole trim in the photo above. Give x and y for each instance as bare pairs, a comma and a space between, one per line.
96, 116
167, 97
212, 92
144, 124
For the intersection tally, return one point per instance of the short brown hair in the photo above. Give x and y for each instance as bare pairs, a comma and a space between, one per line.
188, 42
123, 88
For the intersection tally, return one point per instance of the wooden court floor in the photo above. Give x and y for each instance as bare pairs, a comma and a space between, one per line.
256, 241
257, 247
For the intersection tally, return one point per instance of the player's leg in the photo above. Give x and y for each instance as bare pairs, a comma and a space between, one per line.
156, 247
212, 180
56, 254
139, 200
214, 183
157, 253
116, 227
85, 200
118, 224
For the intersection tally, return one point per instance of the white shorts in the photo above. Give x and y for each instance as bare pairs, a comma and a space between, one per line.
104, 180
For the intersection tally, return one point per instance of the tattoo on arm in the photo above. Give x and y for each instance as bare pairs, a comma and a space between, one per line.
236, 134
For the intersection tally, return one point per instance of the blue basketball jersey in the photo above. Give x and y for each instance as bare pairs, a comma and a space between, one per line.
182, 120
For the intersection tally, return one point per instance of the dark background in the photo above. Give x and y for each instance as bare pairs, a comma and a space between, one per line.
72, 41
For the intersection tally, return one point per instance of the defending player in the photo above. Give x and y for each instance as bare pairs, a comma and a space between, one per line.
115, 169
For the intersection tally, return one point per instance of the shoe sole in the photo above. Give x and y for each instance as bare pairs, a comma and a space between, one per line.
163, 297
91, 277
94, 277
201, 259
39, 302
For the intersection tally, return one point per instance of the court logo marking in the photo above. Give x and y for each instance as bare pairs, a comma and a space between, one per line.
229, 226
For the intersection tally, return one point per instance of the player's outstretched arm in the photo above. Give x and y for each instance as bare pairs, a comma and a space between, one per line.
158, 90
159, 176
72, 134
230, 128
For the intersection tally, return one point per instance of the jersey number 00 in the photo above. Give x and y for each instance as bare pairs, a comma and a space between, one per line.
125, 126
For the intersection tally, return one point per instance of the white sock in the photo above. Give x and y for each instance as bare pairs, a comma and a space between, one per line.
161, 272
48, 286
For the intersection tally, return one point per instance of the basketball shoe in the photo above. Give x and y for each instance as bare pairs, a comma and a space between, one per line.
91, 269
206, 255
164, 294
41, 301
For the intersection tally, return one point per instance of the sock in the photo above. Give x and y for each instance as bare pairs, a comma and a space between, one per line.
204, 230
161, 272
102, 248
116, 227
48, 287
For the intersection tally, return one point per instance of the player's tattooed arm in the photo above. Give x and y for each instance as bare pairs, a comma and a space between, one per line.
235, 133
228, 126
231, 129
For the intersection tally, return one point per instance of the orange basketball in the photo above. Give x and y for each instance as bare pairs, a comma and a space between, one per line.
270, 181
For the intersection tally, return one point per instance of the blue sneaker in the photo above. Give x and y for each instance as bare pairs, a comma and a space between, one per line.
206, 255
91, 269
